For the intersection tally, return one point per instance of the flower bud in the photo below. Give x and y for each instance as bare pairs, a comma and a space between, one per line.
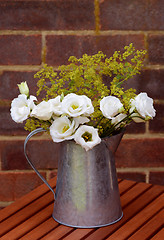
23, 88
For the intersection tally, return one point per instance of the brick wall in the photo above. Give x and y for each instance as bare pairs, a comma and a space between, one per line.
35, 32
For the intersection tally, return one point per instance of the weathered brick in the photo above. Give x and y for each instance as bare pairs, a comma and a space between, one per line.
20, 50
151, 81
132, 15
47, 15
157, 125
9, 80
61, 47
156, 178
134, 176
140, 153
43, 154
7, 125
156, 49
17, 184
135, 128
12, 155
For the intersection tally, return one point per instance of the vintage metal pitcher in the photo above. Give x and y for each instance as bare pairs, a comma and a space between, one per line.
87, 194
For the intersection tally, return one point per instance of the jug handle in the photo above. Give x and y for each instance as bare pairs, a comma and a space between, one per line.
39, 130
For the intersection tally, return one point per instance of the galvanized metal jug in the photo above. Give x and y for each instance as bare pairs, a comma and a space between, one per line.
87, 193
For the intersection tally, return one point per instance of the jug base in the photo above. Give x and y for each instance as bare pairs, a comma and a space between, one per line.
94, 226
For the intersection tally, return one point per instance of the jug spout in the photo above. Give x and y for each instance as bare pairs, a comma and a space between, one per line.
113, 142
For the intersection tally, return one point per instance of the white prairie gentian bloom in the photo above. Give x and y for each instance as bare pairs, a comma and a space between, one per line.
89, 107
21, 107
23, 88
76, 105
80, 120
62, 129
42, 111
110, 106
117, 120
55, 105
143, 105
87, 137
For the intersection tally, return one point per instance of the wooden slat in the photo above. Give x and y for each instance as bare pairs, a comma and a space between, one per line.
150, 227
126, 230
159, 235
131, 210
25, 200
79, 233
41, 230
125, 185
58, 233
25, 213
133, 193
29, 224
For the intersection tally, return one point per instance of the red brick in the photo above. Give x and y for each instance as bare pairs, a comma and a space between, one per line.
20, 50
7, 125
156, 178
135, 128
131, 15
134, 176
9, 80
12, 155
157, 125
156, 49
61, 47
151, 81
17, 184
47, 15
43, 154
140, 153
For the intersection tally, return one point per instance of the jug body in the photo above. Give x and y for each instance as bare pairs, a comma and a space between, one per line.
87, 193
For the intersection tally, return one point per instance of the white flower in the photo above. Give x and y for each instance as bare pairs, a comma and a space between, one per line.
21, 107
23, 88
42, 111
80, 120
55, 105
117, 120
110, 106
62, 129
87, 137
76, 105
89, 107
143, 105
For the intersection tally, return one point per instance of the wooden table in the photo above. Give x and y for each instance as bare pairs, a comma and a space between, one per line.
30, 216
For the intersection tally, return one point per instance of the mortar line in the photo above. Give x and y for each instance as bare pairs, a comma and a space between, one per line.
22, 68
139, 169
147, 176
120, 170
43, 51
5, 203
80, 32
97, 16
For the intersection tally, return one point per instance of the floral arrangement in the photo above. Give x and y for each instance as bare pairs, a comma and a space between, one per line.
78, 105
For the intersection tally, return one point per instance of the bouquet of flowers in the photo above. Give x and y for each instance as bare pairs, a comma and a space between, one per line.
78, 105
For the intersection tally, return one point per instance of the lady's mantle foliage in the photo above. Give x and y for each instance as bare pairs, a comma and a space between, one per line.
76, 95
